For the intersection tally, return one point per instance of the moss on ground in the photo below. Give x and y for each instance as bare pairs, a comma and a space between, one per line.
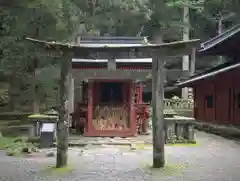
52, 170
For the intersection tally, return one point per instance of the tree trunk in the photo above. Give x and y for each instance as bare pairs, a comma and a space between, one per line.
35, 104
158, 78
63, 123
185, 60
11, 92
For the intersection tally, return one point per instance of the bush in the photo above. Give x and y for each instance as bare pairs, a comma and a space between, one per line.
19, 148
4, 141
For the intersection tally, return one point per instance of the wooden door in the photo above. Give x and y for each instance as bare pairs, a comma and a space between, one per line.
209, 107
222, 105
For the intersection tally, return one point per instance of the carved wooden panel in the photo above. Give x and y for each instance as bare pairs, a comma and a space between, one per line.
142, 118
110, 117
137, 94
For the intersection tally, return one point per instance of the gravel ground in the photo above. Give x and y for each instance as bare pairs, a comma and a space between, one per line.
214, 159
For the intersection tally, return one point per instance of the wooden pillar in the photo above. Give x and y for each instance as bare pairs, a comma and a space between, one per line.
133, 117
78, 89
71, 97
90, 127
62, 125
140, 94
192, 71
112, 64
193, 62
157, 112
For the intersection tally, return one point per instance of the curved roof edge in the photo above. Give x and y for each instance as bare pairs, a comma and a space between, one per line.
219, 38
209, 73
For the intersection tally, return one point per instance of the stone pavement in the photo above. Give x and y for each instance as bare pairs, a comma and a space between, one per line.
213, 159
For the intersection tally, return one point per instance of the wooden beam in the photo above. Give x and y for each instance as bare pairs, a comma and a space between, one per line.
178, 48
141, 74
177, 51
157, 113
110, 74
63, 123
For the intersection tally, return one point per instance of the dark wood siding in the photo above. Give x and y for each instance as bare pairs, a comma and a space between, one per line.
223, 98
225, 89
235, 98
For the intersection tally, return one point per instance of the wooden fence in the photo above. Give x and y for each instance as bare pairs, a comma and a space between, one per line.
178, 104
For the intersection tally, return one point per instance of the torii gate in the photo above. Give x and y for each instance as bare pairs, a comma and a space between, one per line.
156, 51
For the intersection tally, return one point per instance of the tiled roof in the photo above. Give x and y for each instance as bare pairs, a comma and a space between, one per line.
211, 72
220, 38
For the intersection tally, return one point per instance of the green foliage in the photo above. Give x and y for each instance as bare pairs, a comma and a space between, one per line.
5, 141
64, 20
113, 17
19, 146
40, 19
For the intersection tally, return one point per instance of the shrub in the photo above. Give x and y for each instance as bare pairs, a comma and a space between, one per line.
19, 148
4, 141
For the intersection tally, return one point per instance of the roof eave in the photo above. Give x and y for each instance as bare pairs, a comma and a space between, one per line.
220, 38
207, 75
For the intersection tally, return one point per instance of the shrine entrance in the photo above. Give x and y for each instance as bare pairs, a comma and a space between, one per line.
112, 111
111, 102
111, 92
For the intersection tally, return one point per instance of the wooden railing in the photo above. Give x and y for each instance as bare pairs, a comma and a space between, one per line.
179, 130
178, 104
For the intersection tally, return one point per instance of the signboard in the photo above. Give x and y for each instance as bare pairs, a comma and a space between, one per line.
48, 127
